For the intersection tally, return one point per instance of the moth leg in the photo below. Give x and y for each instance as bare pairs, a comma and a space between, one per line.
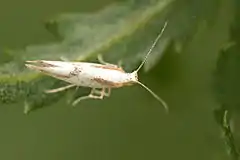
100, 59
64, 59
77, 88
103, 91
60, 89
108, 93
92, 95
120, 63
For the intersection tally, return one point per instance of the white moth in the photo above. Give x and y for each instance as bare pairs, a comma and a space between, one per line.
100, 77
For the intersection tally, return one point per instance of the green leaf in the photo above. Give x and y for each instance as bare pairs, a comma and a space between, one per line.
227, 87
122, 31
227, 77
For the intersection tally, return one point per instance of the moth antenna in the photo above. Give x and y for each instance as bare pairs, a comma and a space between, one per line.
153, 45
155, 96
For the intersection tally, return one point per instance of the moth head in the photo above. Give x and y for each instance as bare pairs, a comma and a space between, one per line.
134, 77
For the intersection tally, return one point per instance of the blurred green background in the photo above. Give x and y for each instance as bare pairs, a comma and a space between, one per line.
130, 125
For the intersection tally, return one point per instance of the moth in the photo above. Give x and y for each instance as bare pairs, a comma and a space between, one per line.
101, 77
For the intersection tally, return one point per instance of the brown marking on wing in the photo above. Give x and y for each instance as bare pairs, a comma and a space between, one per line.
109, 67
41, 63
61, 76
76, 71
111, 84
108, 83
44, 64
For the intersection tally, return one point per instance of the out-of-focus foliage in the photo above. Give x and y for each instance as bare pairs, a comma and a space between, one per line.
227, 85
223, 118
228, 77
121, 31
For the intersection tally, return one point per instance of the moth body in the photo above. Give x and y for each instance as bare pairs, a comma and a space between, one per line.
85, 74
